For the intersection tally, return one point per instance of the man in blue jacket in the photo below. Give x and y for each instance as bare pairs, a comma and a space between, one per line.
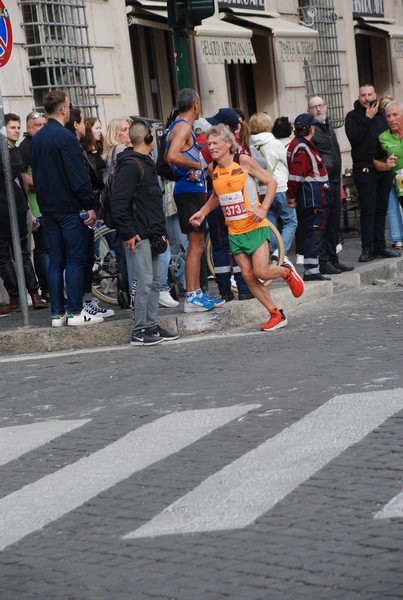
63, 189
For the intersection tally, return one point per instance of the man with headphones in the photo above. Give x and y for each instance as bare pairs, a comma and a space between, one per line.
137, 210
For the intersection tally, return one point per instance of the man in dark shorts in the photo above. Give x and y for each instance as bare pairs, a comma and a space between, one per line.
183, 153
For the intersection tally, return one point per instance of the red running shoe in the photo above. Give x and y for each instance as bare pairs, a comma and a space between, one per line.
276, 321
294, 281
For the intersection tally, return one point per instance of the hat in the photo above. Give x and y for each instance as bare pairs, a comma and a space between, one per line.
202, 124
227, 116
303, 121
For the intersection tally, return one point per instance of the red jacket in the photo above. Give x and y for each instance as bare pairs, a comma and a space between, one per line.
308, 182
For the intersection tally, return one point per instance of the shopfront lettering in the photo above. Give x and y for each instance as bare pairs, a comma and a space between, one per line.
220, 50
255, 4
293, 50
368, 7
397, 48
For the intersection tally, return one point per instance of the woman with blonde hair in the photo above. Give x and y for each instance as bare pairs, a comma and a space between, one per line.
116, 138
275, 153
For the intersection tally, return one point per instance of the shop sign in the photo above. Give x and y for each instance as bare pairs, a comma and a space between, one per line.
222, 49
250, 4
369, 8
295, 49
397, 48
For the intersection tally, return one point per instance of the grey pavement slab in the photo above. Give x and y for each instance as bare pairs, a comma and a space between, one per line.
40, 337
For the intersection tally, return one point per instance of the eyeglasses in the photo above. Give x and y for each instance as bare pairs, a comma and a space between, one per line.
36, 115
317, 106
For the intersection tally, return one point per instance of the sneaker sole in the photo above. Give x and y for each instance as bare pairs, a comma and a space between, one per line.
140, 344
84, 323
58, 324
170, 339
166, 305
190, 309
278, 326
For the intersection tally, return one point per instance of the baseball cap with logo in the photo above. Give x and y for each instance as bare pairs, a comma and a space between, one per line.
304, 121
227, 116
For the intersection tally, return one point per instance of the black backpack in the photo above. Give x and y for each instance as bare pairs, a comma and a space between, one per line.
106, 194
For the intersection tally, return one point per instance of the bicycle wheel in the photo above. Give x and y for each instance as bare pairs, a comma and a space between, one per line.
105, 272
273, 232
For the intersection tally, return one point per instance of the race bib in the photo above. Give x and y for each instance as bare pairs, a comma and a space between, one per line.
233, 206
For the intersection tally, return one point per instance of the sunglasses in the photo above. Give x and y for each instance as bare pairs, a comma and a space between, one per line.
36, 115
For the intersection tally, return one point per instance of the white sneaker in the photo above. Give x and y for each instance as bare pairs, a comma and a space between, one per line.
93, 309
83, 319
166, 300
300, 259
59, 320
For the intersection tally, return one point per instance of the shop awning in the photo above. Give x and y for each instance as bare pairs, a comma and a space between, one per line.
220, 42
278, 27
389, 27
293, 42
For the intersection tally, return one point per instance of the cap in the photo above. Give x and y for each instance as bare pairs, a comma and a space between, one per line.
227, 116
202, 124
304, 121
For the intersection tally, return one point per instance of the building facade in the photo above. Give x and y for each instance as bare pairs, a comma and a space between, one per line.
116, 57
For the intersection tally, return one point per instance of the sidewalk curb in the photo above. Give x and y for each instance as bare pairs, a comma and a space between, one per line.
32, 340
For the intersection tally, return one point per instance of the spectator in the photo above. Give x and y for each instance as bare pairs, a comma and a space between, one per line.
137, 210
35, 121
183, 153
308, 188
395, 212
164, 170
363, 126
63, 190
7, 270
389, 155
275, 153
92, 142
325, 142
76, 125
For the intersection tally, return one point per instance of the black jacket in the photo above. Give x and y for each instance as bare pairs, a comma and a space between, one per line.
327, 146
20, 199
363, 135
136, 200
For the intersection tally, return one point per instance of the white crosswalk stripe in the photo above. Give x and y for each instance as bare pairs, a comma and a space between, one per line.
20, 439
250, 486
392, 510
39, 503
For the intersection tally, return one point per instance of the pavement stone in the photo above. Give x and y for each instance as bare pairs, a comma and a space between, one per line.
39, 337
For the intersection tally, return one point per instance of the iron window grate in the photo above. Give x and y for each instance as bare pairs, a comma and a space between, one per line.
59, 51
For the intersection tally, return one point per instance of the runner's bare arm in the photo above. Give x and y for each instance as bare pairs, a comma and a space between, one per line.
179, 140
212, 203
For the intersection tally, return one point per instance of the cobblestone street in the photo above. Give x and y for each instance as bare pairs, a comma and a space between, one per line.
241, 466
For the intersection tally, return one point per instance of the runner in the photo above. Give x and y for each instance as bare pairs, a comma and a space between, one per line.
248, 227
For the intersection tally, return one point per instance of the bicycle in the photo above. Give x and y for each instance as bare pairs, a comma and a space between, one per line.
105, 270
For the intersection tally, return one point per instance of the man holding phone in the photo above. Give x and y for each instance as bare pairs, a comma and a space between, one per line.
363, 126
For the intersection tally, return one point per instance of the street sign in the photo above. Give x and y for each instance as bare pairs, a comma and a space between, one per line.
6, 35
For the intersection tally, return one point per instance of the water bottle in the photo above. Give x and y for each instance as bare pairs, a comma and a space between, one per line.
83, 214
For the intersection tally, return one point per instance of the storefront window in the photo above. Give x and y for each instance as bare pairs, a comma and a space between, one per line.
57, 43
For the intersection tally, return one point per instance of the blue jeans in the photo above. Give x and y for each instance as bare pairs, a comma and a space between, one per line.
288, 217
68, 242
395, 216
164, 266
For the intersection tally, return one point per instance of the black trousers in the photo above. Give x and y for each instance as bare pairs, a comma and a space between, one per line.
332, 228
373, 190
7, 270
